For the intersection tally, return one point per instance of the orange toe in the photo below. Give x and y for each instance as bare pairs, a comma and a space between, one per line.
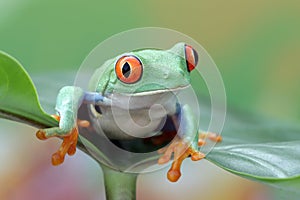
215, 137
212, 136
83, 123
68, 146
195, 156
173, 175
201, 142
174, 172
40, 134
57, 159
163, 159
72, 149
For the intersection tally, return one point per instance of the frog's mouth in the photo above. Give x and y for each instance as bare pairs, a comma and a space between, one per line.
138, 93
146, 99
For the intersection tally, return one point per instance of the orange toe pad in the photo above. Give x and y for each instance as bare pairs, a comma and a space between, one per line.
174, 172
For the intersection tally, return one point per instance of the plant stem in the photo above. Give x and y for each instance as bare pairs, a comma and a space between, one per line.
119, 185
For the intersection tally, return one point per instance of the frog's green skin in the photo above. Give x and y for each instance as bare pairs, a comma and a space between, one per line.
164, 72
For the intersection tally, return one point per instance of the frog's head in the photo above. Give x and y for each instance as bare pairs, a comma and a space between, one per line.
147, 70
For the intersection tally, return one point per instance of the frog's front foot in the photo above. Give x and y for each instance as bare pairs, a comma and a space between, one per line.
70, 138
181, 150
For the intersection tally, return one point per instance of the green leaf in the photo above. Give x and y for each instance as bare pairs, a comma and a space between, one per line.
262, 150
18, 97
268, 162
255, 159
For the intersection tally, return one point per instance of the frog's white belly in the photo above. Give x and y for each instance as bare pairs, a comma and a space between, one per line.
135, 116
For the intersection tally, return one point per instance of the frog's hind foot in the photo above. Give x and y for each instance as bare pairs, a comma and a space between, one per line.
69, 143
181, 150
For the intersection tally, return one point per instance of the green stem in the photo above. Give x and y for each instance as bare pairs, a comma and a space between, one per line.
119, 185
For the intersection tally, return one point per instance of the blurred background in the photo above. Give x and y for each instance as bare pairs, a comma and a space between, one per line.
255, 44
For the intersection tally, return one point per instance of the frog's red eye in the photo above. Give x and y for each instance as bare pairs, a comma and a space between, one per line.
129, 69
191, 57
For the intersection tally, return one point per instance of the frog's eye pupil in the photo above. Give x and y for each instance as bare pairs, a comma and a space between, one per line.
195, 56
129, 69
126, 70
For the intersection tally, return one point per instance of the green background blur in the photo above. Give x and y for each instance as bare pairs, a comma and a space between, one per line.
255, 44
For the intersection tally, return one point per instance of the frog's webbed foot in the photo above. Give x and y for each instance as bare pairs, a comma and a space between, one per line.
183, 149
69, 143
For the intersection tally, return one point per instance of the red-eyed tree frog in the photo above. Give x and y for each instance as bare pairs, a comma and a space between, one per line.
144, 76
